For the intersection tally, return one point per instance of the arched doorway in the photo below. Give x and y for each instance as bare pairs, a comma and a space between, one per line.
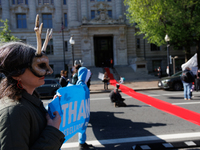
103, 50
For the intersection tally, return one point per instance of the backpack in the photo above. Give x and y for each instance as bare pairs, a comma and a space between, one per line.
187, 77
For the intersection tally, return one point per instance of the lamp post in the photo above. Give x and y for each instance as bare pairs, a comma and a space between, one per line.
72, 42
173, 58
167, 39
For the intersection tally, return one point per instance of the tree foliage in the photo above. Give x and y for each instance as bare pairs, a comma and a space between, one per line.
180, 19
5, 33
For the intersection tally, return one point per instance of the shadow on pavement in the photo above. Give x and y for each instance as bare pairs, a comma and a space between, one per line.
106, 126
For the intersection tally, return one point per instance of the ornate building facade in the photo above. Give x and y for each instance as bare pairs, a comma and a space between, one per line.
99, 27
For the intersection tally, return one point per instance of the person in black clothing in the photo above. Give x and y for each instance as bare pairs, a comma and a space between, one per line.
116, 97
159, 72
88, 82
63, 81
75, 74
187, 78
197, 81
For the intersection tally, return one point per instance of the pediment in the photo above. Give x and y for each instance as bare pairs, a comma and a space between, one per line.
46, 8
19, 8
101, 6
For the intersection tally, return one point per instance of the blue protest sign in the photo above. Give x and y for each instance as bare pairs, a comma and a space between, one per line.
74, 109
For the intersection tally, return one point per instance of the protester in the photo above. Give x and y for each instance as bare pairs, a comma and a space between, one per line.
66, 74
83, 76
63, 80
111, 63
197, 81
89, 81
116, 97
75, 74
187, 78
167, 71
23, 118
122, 79
24, 122
159, 72
106, 81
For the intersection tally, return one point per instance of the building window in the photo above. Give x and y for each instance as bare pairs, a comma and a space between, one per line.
21, 21
110, 13
20, 2
66, 46
48, 1
138, 43
64, 2
92, 14
109, 0
49, 49
47, 20
65, 19
39, 1
92, 0
100, 0
154, 47
0, 2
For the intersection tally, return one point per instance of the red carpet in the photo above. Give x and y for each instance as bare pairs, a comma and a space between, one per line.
159, 104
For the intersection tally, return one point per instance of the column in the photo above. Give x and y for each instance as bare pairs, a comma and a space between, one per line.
5, 10
73, 13
58, 16
118, 4
32, 13
84, 9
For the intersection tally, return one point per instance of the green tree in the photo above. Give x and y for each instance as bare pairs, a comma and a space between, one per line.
5, 33
180, 19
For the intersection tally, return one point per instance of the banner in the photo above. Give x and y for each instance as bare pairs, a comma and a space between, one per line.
192, 62
74, 109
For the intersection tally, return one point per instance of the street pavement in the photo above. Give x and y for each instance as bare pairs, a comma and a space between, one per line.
121, 128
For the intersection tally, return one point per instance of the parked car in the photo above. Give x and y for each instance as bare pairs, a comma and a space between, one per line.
49, 88
171, 82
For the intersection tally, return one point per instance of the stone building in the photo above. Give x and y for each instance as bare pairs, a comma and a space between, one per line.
99, 27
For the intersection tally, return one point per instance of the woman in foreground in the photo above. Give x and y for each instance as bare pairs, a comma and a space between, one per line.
24, 122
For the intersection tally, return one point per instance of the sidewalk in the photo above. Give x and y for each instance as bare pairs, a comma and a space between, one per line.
137, 86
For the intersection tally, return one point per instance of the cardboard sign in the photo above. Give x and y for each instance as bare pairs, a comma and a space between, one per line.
101, 76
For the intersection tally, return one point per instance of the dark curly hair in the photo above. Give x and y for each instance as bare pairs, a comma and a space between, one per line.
15, 57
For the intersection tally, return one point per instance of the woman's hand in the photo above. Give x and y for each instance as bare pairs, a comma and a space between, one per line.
55, 122
55, 96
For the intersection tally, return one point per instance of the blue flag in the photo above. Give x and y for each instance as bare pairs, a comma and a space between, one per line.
74, 109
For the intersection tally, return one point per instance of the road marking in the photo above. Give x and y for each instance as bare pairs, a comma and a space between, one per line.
137, 139
186, 103
154, 95
174, 94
